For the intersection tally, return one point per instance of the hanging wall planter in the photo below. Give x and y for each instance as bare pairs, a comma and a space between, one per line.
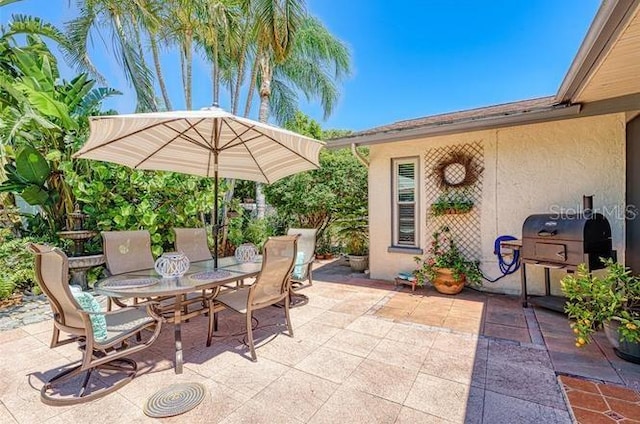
451, 203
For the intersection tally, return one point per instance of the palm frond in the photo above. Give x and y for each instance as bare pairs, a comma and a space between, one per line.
93, 99
78, 33
283, 102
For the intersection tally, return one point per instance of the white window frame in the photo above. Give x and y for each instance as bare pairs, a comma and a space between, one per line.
396, 162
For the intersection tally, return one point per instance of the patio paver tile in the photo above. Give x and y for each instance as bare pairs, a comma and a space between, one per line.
503, 409
449, 365
15, 334
39, 327
466, 325
336, 319
114, 408
297, 394
531, 384
515, 354
353, 406
475, 406
352, 342
258, 412
466, 344
401, 354
372, 326
384, 380
439, 397
412, 334
286, 350
434, 320
353, 306
5, 415
330, 364
506, 332
23, 353
315, 331
396, 314
322, 302
412, 416
300, 316
249, 377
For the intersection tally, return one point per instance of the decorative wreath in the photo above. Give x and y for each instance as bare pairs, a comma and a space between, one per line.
471, 170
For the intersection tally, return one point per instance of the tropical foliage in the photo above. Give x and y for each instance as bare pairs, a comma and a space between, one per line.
119, 198
42, 117
593, 300
271, 51
319, 198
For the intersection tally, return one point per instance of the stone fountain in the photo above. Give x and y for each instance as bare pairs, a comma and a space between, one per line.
79, 263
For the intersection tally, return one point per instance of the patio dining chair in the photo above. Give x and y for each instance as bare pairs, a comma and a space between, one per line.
104, 338
302, 271
130, 251
126, 251
193, 243
272, 285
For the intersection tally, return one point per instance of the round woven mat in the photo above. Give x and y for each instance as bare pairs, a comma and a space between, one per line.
174, 400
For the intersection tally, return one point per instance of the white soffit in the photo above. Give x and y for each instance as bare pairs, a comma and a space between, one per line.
618, 73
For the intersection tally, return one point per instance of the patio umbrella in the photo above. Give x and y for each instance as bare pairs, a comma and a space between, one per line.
209, 142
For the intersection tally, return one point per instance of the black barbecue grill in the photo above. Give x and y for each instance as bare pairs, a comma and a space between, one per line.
564, 241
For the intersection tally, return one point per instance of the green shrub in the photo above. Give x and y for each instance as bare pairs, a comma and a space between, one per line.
17, 264
257, 232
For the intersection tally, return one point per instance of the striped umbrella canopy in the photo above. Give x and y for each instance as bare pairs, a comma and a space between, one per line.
209, 142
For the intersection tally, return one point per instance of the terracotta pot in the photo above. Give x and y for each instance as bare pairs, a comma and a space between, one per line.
320, 256
446, 283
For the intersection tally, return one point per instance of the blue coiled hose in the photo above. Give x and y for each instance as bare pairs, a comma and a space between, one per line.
506, 268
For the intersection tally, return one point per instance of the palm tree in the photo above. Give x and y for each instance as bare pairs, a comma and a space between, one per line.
276, 22
316, 64
294, 52
219, 32
122, 20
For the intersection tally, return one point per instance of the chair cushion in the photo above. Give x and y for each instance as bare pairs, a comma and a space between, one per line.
298, 270
236, 299
90, 304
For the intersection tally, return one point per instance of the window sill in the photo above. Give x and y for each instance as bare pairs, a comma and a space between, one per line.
405, 250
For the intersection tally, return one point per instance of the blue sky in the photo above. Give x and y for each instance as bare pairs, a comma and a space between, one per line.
411, 58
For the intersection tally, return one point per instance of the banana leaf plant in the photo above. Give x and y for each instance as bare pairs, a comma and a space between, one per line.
28, 177
44, 119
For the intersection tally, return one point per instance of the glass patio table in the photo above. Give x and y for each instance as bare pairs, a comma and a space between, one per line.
200, 276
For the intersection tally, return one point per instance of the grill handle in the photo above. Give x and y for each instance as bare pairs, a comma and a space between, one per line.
547, 233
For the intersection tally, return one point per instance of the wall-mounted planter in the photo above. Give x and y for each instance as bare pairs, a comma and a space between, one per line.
439, 209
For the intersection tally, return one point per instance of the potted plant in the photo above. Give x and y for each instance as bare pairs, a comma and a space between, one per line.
451, 202
611, 301
354, 232
445, 266
323, 251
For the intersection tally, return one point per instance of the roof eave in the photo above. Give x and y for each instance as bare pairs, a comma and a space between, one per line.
556, 113
609, 21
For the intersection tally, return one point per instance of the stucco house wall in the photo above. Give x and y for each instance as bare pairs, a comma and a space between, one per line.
536, 168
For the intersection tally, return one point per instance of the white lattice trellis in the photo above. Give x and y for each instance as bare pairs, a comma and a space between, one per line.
465, 228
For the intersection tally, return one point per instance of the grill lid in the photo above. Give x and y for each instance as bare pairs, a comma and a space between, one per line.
570, 227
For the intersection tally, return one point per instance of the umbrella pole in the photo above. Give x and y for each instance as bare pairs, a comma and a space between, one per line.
216, 228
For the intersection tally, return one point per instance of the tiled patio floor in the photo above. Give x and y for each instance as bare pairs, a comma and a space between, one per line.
362, 353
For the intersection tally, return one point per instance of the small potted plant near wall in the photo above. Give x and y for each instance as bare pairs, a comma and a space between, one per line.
354, 232
323, 251
445, 266
451, 202
611, 301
